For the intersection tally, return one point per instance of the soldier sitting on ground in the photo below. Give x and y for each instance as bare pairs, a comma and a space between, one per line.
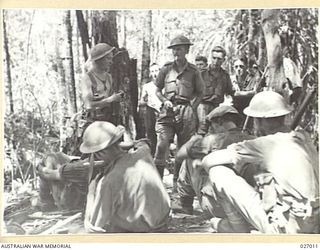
195, 181
289, 179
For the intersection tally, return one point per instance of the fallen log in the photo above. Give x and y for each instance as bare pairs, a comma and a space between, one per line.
61, 223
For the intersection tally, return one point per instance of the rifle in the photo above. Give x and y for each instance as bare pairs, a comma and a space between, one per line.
310, 93
259, 86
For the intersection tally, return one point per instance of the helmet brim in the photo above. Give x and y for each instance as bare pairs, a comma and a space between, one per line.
103, 55
174, 45
87, 149
253, 113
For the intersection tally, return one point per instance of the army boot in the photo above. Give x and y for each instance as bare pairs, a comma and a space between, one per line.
184, 205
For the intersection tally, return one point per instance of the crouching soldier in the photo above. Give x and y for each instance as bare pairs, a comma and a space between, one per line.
194, 181
129, 195
63, 182
289, 179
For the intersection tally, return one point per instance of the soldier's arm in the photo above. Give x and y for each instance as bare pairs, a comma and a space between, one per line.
216, 158
160, 85
229, 87
144, 97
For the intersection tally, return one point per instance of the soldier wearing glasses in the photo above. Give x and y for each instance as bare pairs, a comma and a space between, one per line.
217, 85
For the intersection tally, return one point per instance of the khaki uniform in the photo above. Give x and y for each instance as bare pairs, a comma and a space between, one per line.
217, 83
289, 181
195, 181
130, 197
180, 88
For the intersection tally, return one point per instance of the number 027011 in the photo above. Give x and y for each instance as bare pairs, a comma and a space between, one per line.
308, 246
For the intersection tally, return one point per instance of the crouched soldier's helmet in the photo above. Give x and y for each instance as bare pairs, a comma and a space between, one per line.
179, 40
267, 104
100, 135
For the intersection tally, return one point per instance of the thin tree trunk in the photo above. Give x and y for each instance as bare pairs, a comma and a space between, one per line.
146, 48
262, 51
69, 63
83, 28
8, 66
62, 91
276, 77
123, 29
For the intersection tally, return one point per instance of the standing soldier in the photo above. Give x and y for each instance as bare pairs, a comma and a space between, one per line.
96, 87
180, 82
153, 104
217, 85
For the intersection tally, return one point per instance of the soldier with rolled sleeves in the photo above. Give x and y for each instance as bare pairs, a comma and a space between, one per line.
97, 87
195, 181
178, 83
217, 85
288, 182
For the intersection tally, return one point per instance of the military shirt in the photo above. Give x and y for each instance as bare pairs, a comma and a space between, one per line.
289, 156
217, 82
189, 76
131, 196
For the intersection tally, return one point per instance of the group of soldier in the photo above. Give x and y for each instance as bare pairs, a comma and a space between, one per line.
268, 183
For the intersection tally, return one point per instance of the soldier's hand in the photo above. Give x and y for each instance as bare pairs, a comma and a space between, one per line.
167, 104
117, 97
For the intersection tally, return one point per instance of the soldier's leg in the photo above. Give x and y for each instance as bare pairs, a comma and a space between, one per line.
241, 203
165, 134
201, 113
185, 190
188, 129
150, 121
46, 201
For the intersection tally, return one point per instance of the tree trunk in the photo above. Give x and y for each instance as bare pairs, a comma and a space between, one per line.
276, 78
69, 64
8, 66
62, 90
83, 28
123, 29
104, 27
262, 51
147, 32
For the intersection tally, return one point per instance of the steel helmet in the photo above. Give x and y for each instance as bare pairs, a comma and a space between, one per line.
100, 135
267, 104
220, 111
179, 40
100, 50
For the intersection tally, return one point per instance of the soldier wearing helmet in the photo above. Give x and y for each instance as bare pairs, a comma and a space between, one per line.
130, 184
217, 85
289, 173
178, 83
195, 181
125, 192
96, 86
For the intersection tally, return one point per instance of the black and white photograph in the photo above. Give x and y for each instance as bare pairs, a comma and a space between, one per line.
163, 121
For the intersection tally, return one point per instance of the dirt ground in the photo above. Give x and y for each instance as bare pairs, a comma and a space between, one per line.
33, 222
